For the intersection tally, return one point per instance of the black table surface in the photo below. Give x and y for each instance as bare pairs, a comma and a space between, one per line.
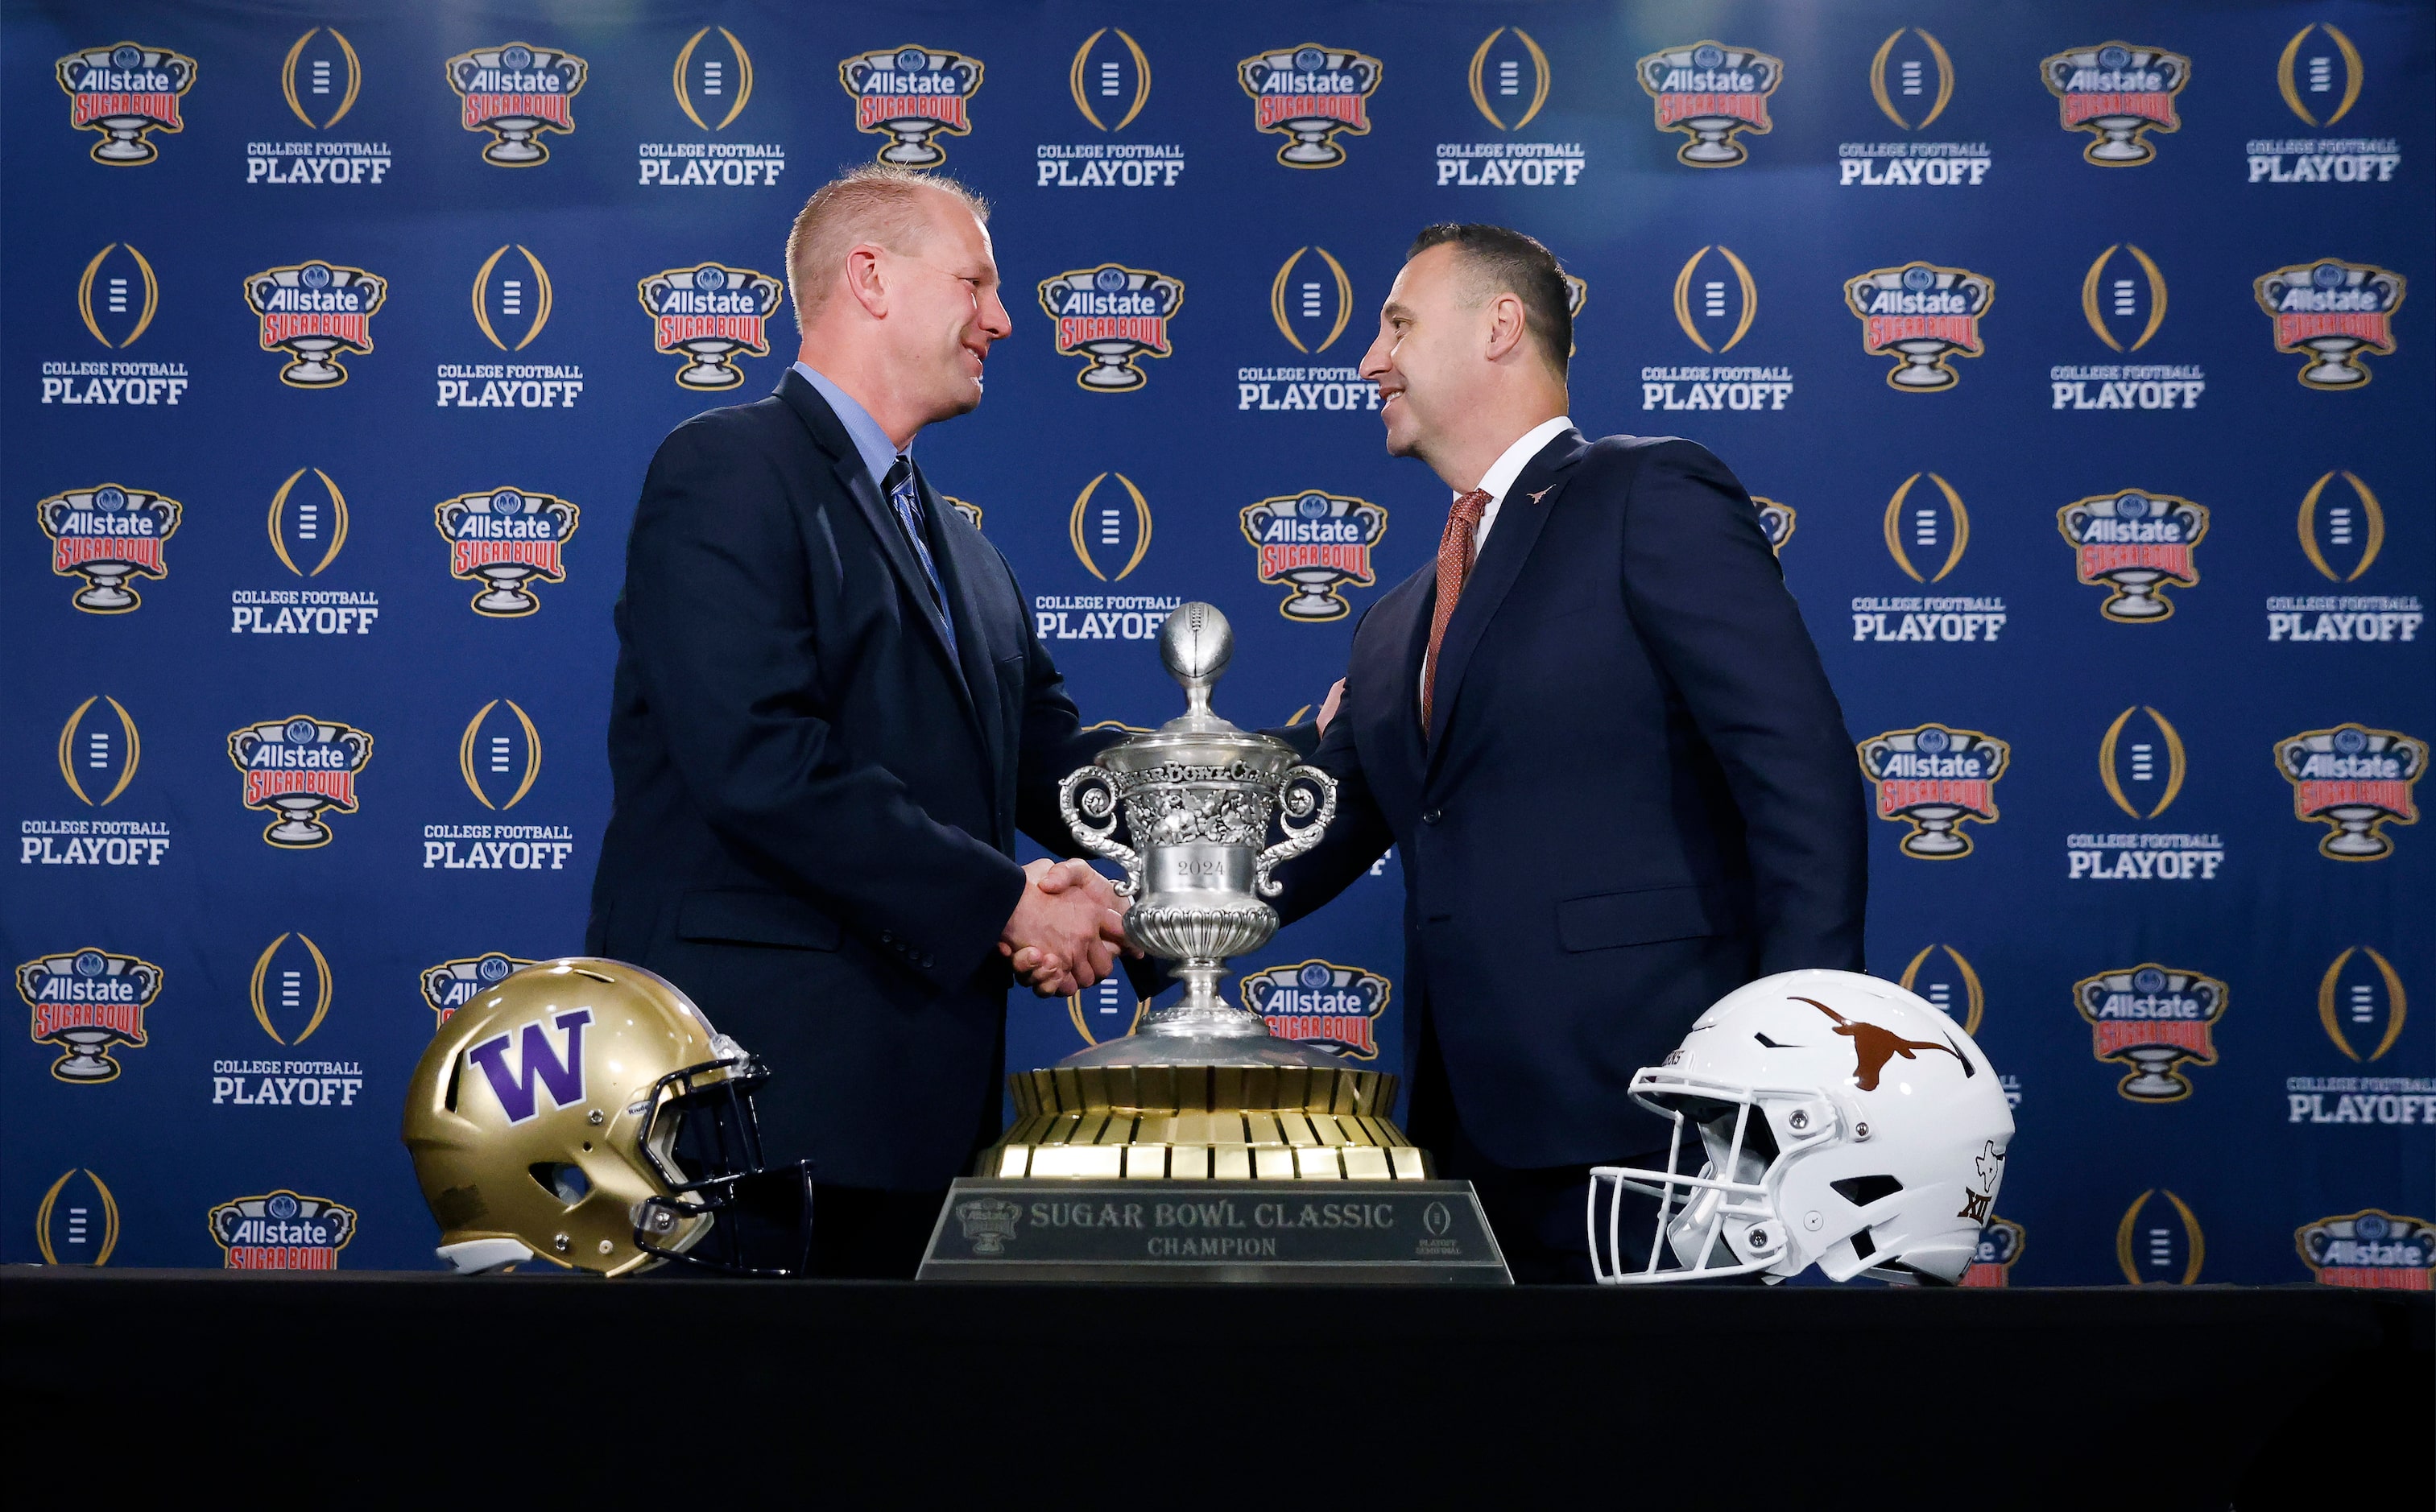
889, 1394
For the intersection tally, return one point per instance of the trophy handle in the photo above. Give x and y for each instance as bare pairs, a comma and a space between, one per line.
1294, 800
1099, 800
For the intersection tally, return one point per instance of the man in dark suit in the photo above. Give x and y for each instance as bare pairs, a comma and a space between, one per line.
830, 717
1597, 734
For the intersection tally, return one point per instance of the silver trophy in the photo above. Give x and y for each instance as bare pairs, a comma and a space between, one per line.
1198, 795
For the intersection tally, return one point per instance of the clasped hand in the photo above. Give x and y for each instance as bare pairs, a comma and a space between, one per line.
1066, 928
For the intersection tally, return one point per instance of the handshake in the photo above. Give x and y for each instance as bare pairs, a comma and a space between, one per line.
1065, 930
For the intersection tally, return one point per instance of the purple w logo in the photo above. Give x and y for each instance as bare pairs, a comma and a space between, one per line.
565, 1078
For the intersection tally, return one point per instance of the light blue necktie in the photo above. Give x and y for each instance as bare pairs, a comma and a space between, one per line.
907, 495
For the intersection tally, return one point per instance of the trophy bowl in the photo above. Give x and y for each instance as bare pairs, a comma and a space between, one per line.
106, 591
2355, 837
2334, 367
1112, 370
2152, 1078
2119, 146
298, 824
84, 1061
515, 146
1934, 840
1923, 366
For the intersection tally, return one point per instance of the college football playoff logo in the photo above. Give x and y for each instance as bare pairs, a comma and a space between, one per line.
2158, 1245
2321, 82
107, 535
117, 296
84, 1002
713, 80
516, 94
2136, 544
2151, 1019
321, 84
2330, 311
911, 94
506, 539
123, 93
96, 751
296, 768
710, 313
2356, 780
1711, 94
2355, 531
316, 313
1911, 78
2360, 986
1314, 544
1508, 84
1935, 778
1308, 94
1112, 314
2118, 93
1921, 313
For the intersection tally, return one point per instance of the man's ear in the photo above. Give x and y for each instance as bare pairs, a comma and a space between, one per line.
866, 279
1506, 328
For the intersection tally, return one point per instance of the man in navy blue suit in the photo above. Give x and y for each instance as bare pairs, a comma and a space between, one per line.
830, 717
1598, 736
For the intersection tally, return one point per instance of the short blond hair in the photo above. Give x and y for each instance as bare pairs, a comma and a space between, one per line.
877, 202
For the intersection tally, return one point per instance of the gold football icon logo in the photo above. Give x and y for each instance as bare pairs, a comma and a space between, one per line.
307, 523
2314, 78
1924, 527
2105, 302
280, 980
2165, 1248
1941, 989
1710, 305
98, 751
322, 76
2359, 988
2152, 766
76, 1226
721, 82
1103, 78
1911, 78
2346, 529
512, 298
120, 296
1292, 304
1105, 525
492, 754
1507, 83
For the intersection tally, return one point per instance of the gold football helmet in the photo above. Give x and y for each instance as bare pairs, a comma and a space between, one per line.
586, 1113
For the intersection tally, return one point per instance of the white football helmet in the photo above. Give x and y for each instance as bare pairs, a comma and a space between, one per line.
1844, 1123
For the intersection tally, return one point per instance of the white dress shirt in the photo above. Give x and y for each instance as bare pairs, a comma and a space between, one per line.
1494, 483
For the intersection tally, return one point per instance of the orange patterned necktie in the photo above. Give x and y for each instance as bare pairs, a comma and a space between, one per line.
1455, 566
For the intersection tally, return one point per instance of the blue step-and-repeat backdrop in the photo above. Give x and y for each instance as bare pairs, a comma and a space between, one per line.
2065, 347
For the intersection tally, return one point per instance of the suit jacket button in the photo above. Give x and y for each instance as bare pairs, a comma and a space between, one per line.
1431, 817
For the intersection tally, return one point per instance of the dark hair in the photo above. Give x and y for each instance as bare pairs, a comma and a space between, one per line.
1511, 262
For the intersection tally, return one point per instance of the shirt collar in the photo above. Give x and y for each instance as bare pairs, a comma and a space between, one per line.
1502, 472
879, 453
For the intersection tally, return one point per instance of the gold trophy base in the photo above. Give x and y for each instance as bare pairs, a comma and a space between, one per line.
1204, 1122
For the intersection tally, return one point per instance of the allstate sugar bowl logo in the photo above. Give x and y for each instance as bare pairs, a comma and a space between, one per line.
1921, 313
316, 313
2001, 1243
1112, 314
2354, 780
2372, 1248
83, 1003
2136, 544
1711, 94
1314, 544
296, 768
452, 985
506, 539
123, 93
710, 313
1308, 94
280, 1230
1935, 778
2151, 1019
106, 536
911, 94
2330, 311
516, 94
1334, 1007
2118, 93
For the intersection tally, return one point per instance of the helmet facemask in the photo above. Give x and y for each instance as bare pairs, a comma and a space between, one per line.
699, 1138
1719, 1223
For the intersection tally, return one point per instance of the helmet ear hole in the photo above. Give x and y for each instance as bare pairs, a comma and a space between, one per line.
1862, 1191
567, 1183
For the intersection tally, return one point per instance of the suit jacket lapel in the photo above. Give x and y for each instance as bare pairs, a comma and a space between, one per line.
877, 512
953, 549
1520, 516
1397, 634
